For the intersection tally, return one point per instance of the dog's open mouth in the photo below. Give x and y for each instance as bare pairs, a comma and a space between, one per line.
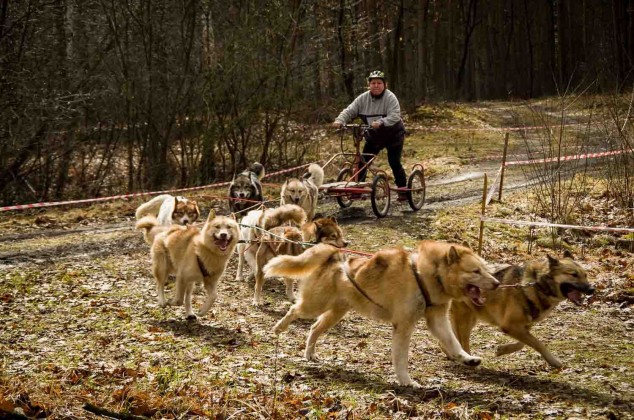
475, 295
222, 243
574, 293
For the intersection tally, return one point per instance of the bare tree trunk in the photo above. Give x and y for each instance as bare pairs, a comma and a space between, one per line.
346, 74
470, 24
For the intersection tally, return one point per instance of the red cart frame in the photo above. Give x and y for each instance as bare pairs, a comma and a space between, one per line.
348, 189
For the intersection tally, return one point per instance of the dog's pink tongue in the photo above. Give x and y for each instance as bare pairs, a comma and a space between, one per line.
575, 297
474, 293
222, 244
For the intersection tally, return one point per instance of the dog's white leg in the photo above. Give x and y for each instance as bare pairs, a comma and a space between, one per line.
159, 269
289, 289
240, 250
179, 290
401, 336
189, 313
440, 327
160, 288
509, 348
212, 294
325, 321
259, 284
524, 336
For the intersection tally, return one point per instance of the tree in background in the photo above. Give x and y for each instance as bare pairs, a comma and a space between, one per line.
125, 96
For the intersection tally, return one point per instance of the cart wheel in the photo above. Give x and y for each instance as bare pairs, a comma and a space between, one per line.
380, 195
416, 186
344, 200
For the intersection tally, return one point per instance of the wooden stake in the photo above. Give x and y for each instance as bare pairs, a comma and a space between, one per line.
484, 204
506, 145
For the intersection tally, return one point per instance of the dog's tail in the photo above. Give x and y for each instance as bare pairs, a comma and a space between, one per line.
283, 214
316, 174
152, 207
151, 227
258, 169
301, 266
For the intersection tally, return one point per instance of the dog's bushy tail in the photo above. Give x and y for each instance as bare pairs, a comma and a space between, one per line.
301, 266
283, 214
152, 207
258, 169
151, 227
316, 174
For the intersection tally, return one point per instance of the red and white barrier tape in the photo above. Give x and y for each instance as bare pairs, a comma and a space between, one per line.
131, 195
565, 158
501, 129
546, 224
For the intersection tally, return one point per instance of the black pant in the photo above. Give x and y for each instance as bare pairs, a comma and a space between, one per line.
394, 153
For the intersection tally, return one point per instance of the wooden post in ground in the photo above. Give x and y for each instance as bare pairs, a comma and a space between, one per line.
506, 145
484, 204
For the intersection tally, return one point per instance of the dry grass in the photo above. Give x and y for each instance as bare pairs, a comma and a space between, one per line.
80, 325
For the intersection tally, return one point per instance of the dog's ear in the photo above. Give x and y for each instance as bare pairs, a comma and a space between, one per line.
309, 232
568, 254
552, 261
452, 256
333, 219
212, 215
233, 216
466, 245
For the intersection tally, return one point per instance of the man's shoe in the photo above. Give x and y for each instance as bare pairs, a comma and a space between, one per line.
402, 195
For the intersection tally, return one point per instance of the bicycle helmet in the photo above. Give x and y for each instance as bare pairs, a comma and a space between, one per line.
376, 74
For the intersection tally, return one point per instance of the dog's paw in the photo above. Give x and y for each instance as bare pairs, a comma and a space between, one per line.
471, 361
409, 382
555, 363
162, 304
312, 357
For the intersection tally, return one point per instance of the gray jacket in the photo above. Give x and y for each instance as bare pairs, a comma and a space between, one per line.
385, 109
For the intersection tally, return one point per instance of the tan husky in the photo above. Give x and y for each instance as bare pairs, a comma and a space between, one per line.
170, 210
281, 240
393, 286
304, 192
516, 309
192, 255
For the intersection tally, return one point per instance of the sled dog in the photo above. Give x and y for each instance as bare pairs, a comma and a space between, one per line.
259, 247
393, 286
170, 210
193, 255
245, 190
541, 287
304, 192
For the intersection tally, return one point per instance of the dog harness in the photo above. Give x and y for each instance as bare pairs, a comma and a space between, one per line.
356, 285
202, 267
421, 287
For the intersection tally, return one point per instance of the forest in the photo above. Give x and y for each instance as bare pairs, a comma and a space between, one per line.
102, 97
